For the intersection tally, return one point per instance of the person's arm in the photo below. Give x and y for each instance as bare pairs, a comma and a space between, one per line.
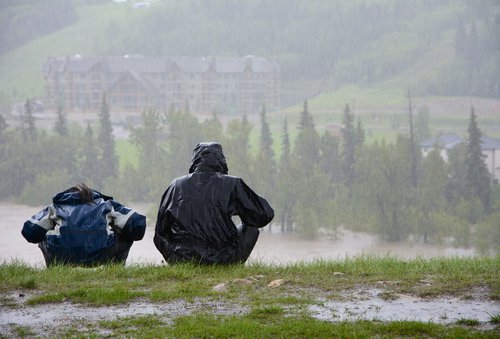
253, 210
35, 228
163, 222
130, 224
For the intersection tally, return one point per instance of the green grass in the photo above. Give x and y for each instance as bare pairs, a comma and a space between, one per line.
495, 319
115, 284
259, 310
127, 153
272, 325
20, 69
468, 322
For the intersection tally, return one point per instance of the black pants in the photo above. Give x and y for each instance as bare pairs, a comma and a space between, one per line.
185, 250
247, 239
117, 253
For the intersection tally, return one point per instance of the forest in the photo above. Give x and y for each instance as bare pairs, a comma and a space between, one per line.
318, 184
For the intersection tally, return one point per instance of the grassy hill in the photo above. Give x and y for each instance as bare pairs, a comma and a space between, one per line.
417, 52
21, 68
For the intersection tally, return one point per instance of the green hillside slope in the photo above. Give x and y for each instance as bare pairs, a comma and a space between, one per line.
365, 53
20, 69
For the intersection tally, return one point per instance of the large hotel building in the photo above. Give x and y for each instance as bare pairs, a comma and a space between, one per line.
134, 83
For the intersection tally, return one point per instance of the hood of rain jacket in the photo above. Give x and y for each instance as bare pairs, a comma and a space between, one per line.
195, 215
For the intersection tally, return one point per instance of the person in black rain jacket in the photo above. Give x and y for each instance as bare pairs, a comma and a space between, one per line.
194, 218
84, 227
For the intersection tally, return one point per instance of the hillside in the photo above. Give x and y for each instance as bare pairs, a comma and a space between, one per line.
365, 53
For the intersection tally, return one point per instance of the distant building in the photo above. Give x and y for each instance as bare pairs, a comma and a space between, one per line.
490, 148
444, 142
335, 129
133, 83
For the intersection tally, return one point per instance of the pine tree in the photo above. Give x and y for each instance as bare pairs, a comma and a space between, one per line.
348, 147
236, 147
61, 126
330, 157
306, 150
151, 169
266, 140
146, 138
286, 198
213, 128
29, 132
360, 135
3, 128
106, 140
478, 180
413, 152
265, 164
89, 167
184, 132
285, 154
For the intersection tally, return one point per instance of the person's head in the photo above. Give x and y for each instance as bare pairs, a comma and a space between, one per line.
85, 192
208, 157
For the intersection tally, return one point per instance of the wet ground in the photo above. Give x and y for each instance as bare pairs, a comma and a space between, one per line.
361, 304
369, 304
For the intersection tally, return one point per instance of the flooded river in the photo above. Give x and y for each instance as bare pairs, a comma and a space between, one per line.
271, 247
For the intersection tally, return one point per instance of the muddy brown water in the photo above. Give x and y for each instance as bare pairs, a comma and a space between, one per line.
272, 248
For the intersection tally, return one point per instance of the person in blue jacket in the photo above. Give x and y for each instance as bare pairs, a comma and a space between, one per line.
194, 220
84, 227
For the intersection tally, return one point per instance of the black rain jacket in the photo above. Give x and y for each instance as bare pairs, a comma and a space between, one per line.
194, 218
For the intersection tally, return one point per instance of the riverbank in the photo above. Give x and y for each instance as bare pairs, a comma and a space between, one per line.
271, 248
363, 296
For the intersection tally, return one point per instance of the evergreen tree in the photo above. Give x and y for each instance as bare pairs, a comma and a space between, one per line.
431, 200
152, 157
184, 132
106, 141
236, 147
310, 186
413, 152
286, 198
477, 178
306, 150
388, 189
146, 139
89, 160
61, 126
330, 157
360, 135
422, 129
455, 189
348, 147
213, 128
265, 164
3, 129
29, 129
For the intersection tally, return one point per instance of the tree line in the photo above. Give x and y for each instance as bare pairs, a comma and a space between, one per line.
319, 183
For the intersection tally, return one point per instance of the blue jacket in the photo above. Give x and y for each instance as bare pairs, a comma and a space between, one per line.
82, 232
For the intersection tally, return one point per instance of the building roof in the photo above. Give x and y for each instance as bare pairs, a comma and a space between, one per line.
446, 141
140, 64
450, 140
489, 143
